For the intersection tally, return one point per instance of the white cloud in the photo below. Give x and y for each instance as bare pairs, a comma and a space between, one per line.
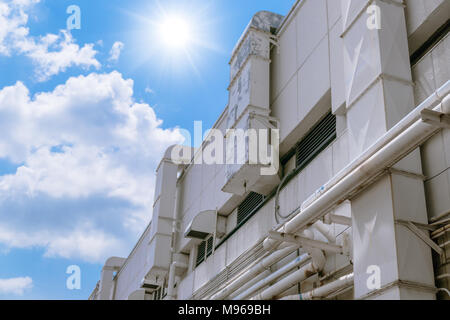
114, 53
88, 153
52, 53
15, 286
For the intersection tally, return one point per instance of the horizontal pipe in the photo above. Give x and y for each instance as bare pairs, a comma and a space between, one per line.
305, 242
250, 283
443, 276
254, 271
261, 284
341, 220
317, 264
324, 291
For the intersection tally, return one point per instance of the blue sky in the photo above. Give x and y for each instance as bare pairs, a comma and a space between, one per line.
85, 116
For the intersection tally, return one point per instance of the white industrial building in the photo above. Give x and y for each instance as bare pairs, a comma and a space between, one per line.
360, 206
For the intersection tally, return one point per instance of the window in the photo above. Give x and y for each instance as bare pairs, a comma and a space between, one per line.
248, 206
205, 250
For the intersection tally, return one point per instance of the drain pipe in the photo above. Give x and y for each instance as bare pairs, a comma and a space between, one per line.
171, 292
395, 144
288, 267
324, 291
315, 266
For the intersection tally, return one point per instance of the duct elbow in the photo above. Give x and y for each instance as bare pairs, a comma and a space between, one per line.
325, 231
318, 259
114, 263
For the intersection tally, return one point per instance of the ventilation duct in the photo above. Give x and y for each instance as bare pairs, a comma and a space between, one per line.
203, 225
252, 163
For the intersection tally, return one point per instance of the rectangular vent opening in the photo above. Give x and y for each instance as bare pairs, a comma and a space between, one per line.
204, 250
316, 141
248, 206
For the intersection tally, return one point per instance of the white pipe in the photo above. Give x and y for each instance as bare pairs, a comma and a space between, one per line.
324, 291
288, 267
317, 255
171, 292
443, 276
335, 192
325, 231
257, 268
250, 283
317, 264
341, 220
252, 272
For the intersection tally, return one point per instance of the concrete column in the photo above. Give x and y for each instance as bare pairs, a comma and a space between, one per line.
379, 92
160, 244
106, 290
106, 283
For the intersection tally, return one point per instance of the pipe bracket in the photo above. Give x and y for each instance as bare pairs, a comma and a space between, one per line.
435, 118
305, 242
422, 236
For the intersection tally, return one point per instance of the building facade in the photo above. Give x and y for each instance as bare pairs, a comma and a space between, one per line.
355, 97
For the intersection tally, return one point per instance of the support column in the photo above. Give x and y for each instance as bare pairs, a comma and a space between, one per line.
112, 265
379, 93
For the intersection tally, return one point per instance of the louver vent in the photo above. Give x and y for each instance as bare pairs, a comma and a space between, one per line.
209, 246
204, 250
248, 206
316, 141
201, 253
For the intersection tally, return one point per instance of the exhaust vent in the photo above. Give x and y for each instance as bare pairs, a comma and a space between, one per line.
203, 225
316, 141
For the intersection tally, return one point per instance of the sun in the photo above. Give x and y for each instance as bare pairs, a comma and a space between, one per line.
175, 32
172, 38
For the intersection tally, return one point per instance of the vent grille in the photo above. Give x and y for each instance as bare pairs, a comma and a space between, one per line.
204, 250
209, 246
201, 253
316, 141
160, 294
248, 206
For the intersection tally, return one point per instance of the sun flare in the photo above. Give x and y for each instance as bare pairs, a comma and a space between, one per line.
175, 32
